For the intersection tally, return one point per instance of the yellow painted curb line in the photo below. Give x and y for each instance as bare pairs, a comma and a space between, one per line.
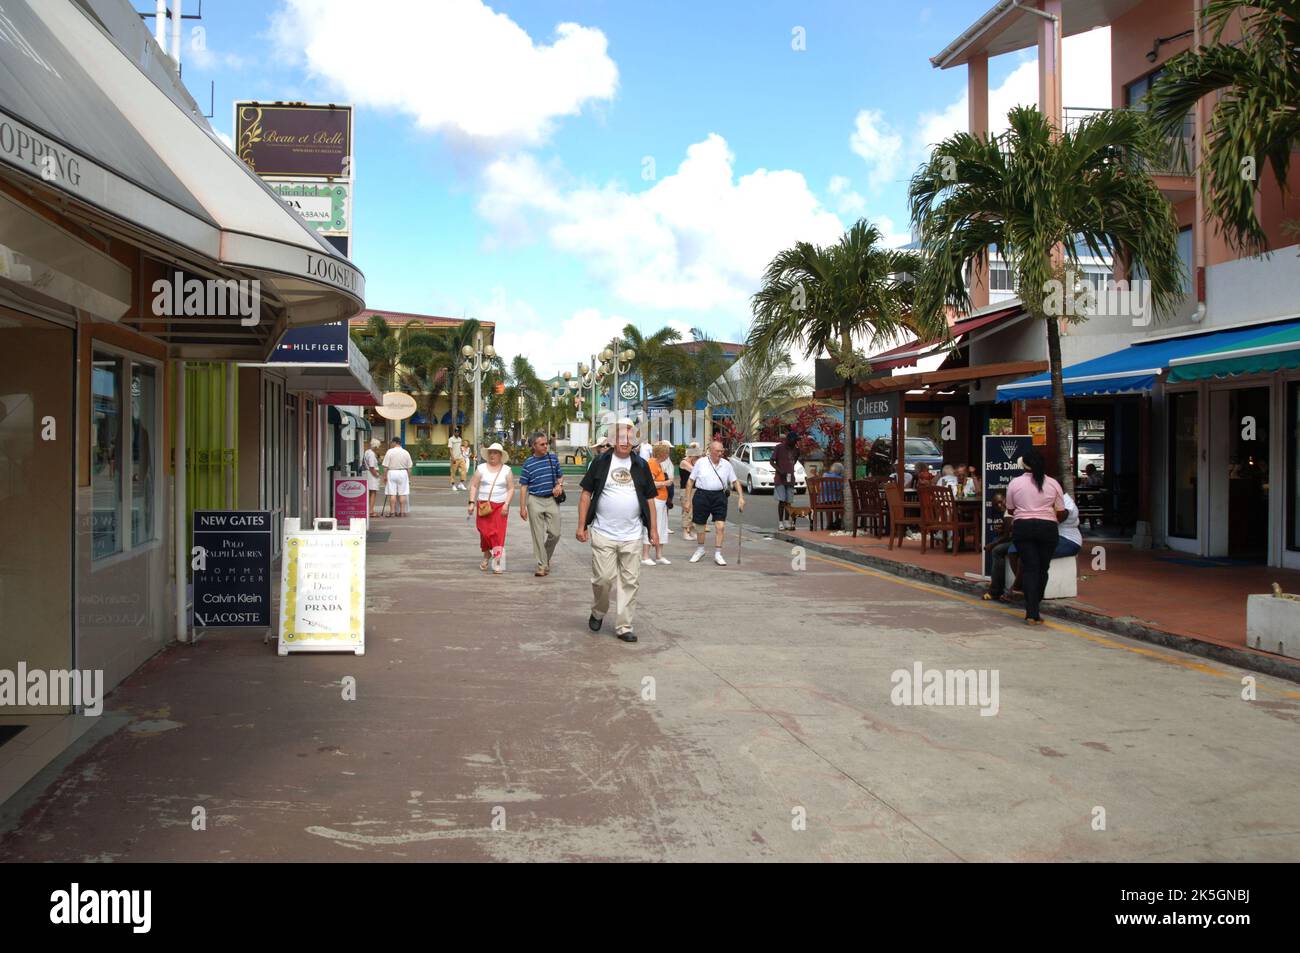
1157, 654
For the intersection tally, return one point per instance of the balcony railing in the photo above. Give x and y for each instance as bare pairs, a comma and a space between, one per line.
1176, 154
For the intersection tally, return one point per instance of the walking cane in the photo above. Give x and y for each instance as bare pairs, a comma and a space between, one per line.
740, 536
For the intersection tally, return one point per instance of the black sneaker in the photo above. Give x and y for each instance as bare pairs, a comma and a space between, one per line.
627, 636
594, 624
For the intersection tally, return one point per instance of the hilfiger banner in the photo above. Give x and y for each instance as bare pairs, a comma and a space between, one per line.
323, 588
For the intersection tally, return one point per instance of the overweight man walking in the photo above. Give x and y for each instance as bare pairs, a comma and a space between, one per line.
614, 510
539, 507
712, 480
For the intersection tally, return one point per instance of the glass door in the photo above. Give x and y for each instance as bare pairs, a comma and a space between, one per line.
1248, 473
37, 437
1184, 441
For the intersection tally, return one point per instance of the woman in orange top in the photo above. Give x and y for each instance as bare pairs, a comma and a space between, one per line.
662, 482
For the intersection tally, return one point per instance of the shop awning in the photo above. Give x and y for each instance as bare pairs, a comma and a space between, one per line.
961, 333
92, 123
1276, 348
1136, 368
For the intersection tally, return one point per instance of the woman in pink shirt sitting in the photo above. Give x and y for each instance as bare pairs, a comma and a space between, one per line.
1033, 502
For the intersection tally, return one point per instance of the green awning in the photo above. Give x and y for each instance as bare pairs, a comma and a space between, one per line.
1275, 348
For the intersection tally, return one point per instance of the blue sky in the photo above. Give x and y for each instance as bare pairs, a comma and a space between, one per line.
564, 167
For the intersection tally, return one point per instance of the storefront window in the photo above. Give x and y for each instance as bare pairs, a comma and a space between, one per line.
107, 459
1184, 437
144, 404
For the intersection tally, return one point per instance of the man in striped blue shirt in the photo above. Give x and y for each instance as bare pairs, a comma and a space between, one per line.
543, 481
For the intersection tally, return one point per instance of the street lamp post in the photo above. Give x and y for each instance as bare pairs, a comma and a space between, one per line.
619, 363
474, 369
589, 379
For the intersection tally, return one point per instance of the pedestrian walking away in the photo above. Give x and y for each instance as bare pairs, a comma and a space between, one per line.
397, 469
541, 489
712, 480
490, 492
692, 454
371, 463
784, 458
663, 481
615, 510
456, 459
1036, 503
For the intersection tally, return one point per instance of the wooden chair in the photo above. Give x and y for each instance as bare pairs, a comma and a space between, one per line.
939, 513
826, 500
902, 516
868, 507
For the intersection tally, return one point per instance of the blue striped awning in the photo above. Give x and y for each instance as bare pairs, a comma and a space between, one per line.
1136, 368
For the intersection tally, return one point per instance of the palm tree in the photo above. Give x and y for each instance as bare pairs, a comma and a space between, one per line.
1035, 195
821, 298
383, 346
693, 372
758, 385
524, 396
655, 360
1256, 118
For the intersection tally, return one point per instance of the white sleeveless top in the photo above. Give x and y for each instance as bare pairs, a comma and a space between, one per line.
485, 477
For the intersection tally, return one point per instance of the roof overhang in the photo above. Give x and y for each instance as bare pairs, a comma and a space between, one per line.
930, 380
347, 384
1011, 25
103, 144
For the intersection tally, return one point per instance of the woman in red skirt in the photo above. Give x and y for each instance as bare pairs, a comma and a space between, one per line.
490, 493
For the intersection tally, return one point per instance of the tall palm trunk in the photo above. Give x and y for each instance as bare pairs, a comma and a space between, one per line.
454, 388
850, 519
1063, 468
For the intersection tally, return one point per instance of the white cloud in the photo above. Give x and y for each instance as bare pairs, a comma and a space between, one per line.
878, 145
697, 240
455, 66
1085, 83
552, 346
847, 201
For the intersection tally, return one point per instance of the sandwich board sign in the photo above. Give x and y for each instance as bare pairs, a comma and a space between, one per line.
1002, 453
232, 580
323, 588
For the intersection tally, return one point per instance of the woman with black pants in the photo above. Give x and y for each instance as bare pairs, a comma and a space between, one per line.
1036, 503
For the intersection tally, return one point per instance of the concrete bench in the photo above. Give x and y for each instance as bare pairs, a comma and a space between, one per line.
1062, 577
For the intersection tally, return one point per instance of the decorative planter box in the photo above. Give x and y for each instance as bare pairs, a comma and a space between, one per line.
1273, 625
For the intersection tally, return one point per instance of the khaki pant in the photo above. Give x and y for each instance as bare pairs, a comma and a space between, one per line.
683, 502
458, 470
544, 524
615, 565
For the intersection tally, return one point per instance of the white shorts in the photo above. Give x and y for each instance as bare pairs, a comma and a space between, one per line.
372, 482
399, 483
661, 518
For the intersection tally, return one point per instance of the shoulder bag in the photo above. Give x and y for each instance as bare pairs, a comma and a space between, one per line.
555, 462
485, 509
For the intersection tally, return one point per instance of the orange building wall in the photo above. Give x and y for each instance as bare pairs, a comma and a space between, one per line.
1131, 39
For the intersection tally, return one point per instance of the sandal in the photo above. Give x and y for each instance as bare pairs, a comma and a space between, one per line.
483, 565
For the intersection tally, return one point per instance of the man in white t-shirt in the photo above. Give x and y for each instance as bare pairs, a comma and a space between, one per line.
371, 463
614, 509
397, 467
456, 460
712, 480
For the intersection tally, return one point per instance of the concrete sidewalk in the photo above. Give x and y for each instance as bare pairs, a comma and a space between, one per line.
770, 735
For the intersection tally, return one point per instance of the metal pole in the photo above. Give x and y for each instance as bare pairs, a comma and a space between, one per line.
478, 397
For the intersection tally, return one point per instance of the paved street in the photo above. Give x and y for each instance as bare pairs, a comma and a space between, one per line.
486, 697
